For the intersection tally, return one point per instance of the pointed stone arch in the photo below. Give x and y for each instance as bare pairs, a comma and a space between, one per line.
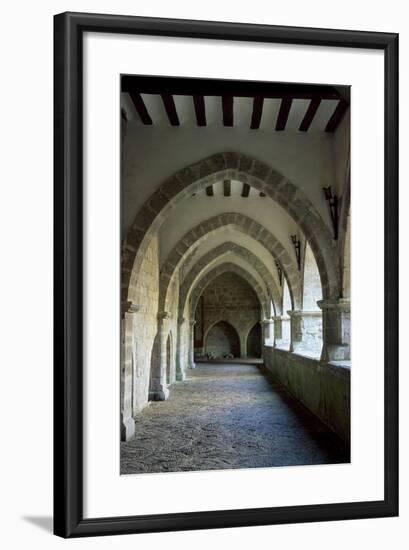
232, 268
217, 253
253, 341
169, 358
312, 291
245, 169
217, 322
242, 224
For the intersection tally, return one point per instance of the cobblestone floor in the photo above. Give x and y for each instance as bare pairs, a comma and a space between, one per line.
226, 415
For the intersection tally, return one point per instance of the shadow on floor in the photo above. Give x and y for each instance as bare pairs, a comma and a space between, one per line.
227, 415
317, 429
236, 360
42, 522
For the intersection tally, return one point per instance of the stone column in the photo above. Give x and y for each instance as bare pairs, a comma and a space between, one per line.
267, 331
295, 329
277, 329
243, 345
336, 319
281, 332
127, 370
180, 352
306, 330
191, 361
159, 389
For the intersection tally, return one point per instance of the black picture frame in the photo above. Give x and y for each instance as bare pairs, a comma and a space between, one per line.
68, 274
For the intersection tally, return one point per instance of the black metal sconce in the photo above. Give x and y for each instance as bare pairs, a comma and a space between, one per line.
297, 247
280, 273
333, 208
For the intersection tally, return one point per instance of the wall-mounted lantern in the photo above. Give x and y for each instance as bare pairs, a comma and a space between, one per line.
332, 200
297, 247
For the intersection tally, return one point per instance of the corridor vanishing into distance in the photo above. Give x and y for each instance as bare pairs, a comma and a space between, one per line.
227, 415
235, 245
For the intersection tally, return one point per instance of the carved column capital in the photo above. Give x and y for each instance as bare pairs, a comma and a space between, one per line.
162, 315
336, 320
294, 313
129, 307
342, 304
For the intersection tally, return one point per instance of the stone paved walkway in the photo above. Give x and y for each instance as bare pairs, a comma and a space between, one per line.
226, 415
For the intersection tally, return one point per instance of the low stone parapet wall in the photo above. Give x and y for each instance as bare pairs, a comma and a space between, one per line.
323, 388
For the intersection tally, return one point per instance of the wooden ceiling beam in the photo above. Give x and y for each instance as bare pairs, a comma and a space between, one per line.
337, 116
200, 110
257, 112
309, 115
283, 113
246, 190
140, 107
170, 108
209, 87
227, 106
227, 188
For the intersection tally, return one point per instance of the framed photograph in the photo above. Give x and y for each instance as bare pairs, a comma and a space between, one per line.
226, 275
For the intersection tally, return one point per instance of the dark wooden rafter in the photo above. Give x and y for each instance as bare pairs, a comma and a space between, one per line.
209, 191
227, 106
246, 190
140, 107
337, 115
209, 87
227, 188
168, 87
257, 112
310, 114
283, 113
200, 110
170, 108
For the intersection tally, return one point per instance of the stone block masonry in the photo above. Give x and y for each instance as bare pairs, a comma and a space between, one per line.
322, 387
231, 300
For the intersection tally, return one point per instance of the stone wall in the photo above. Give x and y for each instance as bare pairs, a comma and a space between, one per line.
307, 332
145, 324
172, 324
222, 341
311, 326
323, 388
254, 340
230, 298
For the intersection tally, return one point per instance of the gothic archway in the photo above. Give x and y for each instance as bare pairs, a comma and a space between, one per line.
169, 359
254, 341
242, 224
244, 169
217, 253
233, 268
222, 340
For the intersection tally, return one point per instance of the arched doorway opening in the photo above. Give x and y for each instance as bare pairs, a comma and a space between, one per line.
254, 341
222, 340
168, 360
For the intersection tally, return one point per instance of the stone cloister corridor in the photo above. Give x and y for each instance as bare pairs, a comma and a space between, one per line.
235, 245
228, 415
